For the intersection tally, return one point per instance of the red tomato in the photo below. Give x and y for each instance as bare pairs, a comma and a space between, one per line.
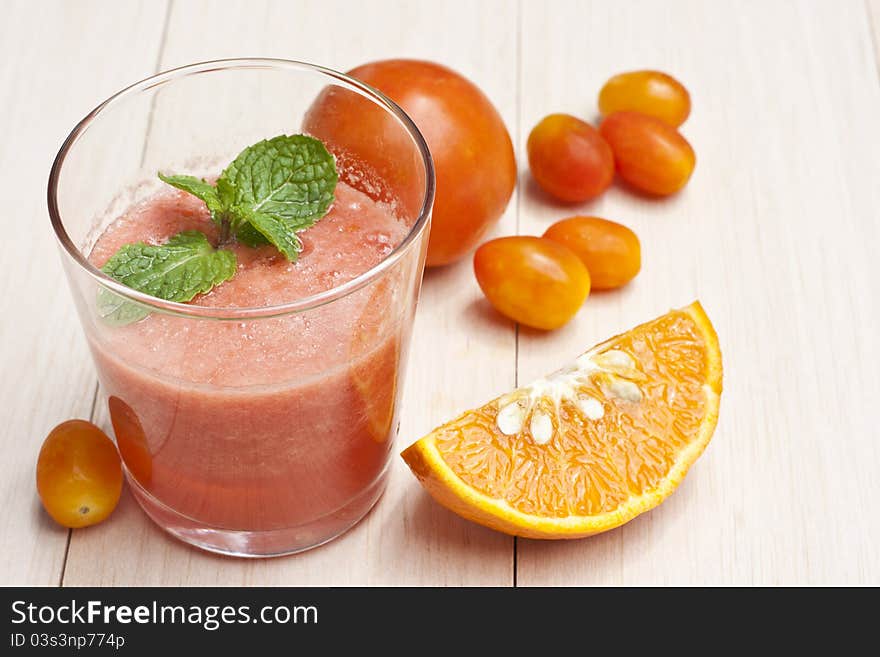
569, 158
649, 154
532, 280
472, 152
649, 92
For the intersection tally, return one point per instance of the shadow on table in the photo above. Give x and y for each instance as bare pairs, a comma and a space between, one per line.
534, 193
602, 559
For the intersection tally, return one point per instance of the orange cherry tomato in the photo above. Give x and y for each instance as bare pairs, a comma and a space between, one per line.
650, 155
472, 151
648, 92
131, 440
532, 280
610, 251
569, 158
79, 475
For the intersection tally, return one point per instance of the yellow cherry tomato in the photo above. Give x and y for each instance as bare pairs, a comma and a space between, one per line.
610, 251
569, 159
532, 280
648, 92
79, 474
650, 155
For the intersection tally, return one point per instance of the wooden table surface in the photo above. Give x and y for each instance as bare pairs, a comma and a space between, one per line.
777, 234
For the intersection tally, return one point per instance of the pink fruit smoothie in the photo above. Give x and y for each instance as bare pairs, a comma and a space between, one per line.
282, 423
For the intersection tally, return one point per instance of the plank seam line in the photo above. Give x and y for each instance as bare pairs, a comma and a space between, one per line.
64, 560
160, 52
94, 402
70, 531
518, 119
163, 39
869, 16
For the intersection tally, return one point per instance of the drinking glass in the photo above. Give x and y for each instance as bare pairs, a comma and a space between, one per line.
295, 450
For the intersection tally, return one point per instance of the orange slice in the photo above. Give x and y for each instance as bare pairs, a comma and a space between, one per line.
588, 447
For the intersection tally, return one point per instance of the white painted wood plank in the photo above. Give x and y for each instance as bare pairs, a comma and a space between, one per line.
51, 76
777, 234
873, 9
460, 355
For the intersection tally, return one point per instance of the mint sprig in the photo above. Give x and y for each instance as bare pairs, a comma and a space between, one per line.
270, 192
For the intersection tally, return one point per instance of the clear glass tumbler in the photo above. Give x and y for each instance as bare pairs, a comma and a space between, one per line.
293, 449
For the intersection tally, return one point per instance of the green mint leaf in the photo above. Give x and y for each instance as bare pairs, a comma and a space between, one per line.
280, 186
290, 177
199, 188
247, 234
186, 265
277, 232
118, 311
